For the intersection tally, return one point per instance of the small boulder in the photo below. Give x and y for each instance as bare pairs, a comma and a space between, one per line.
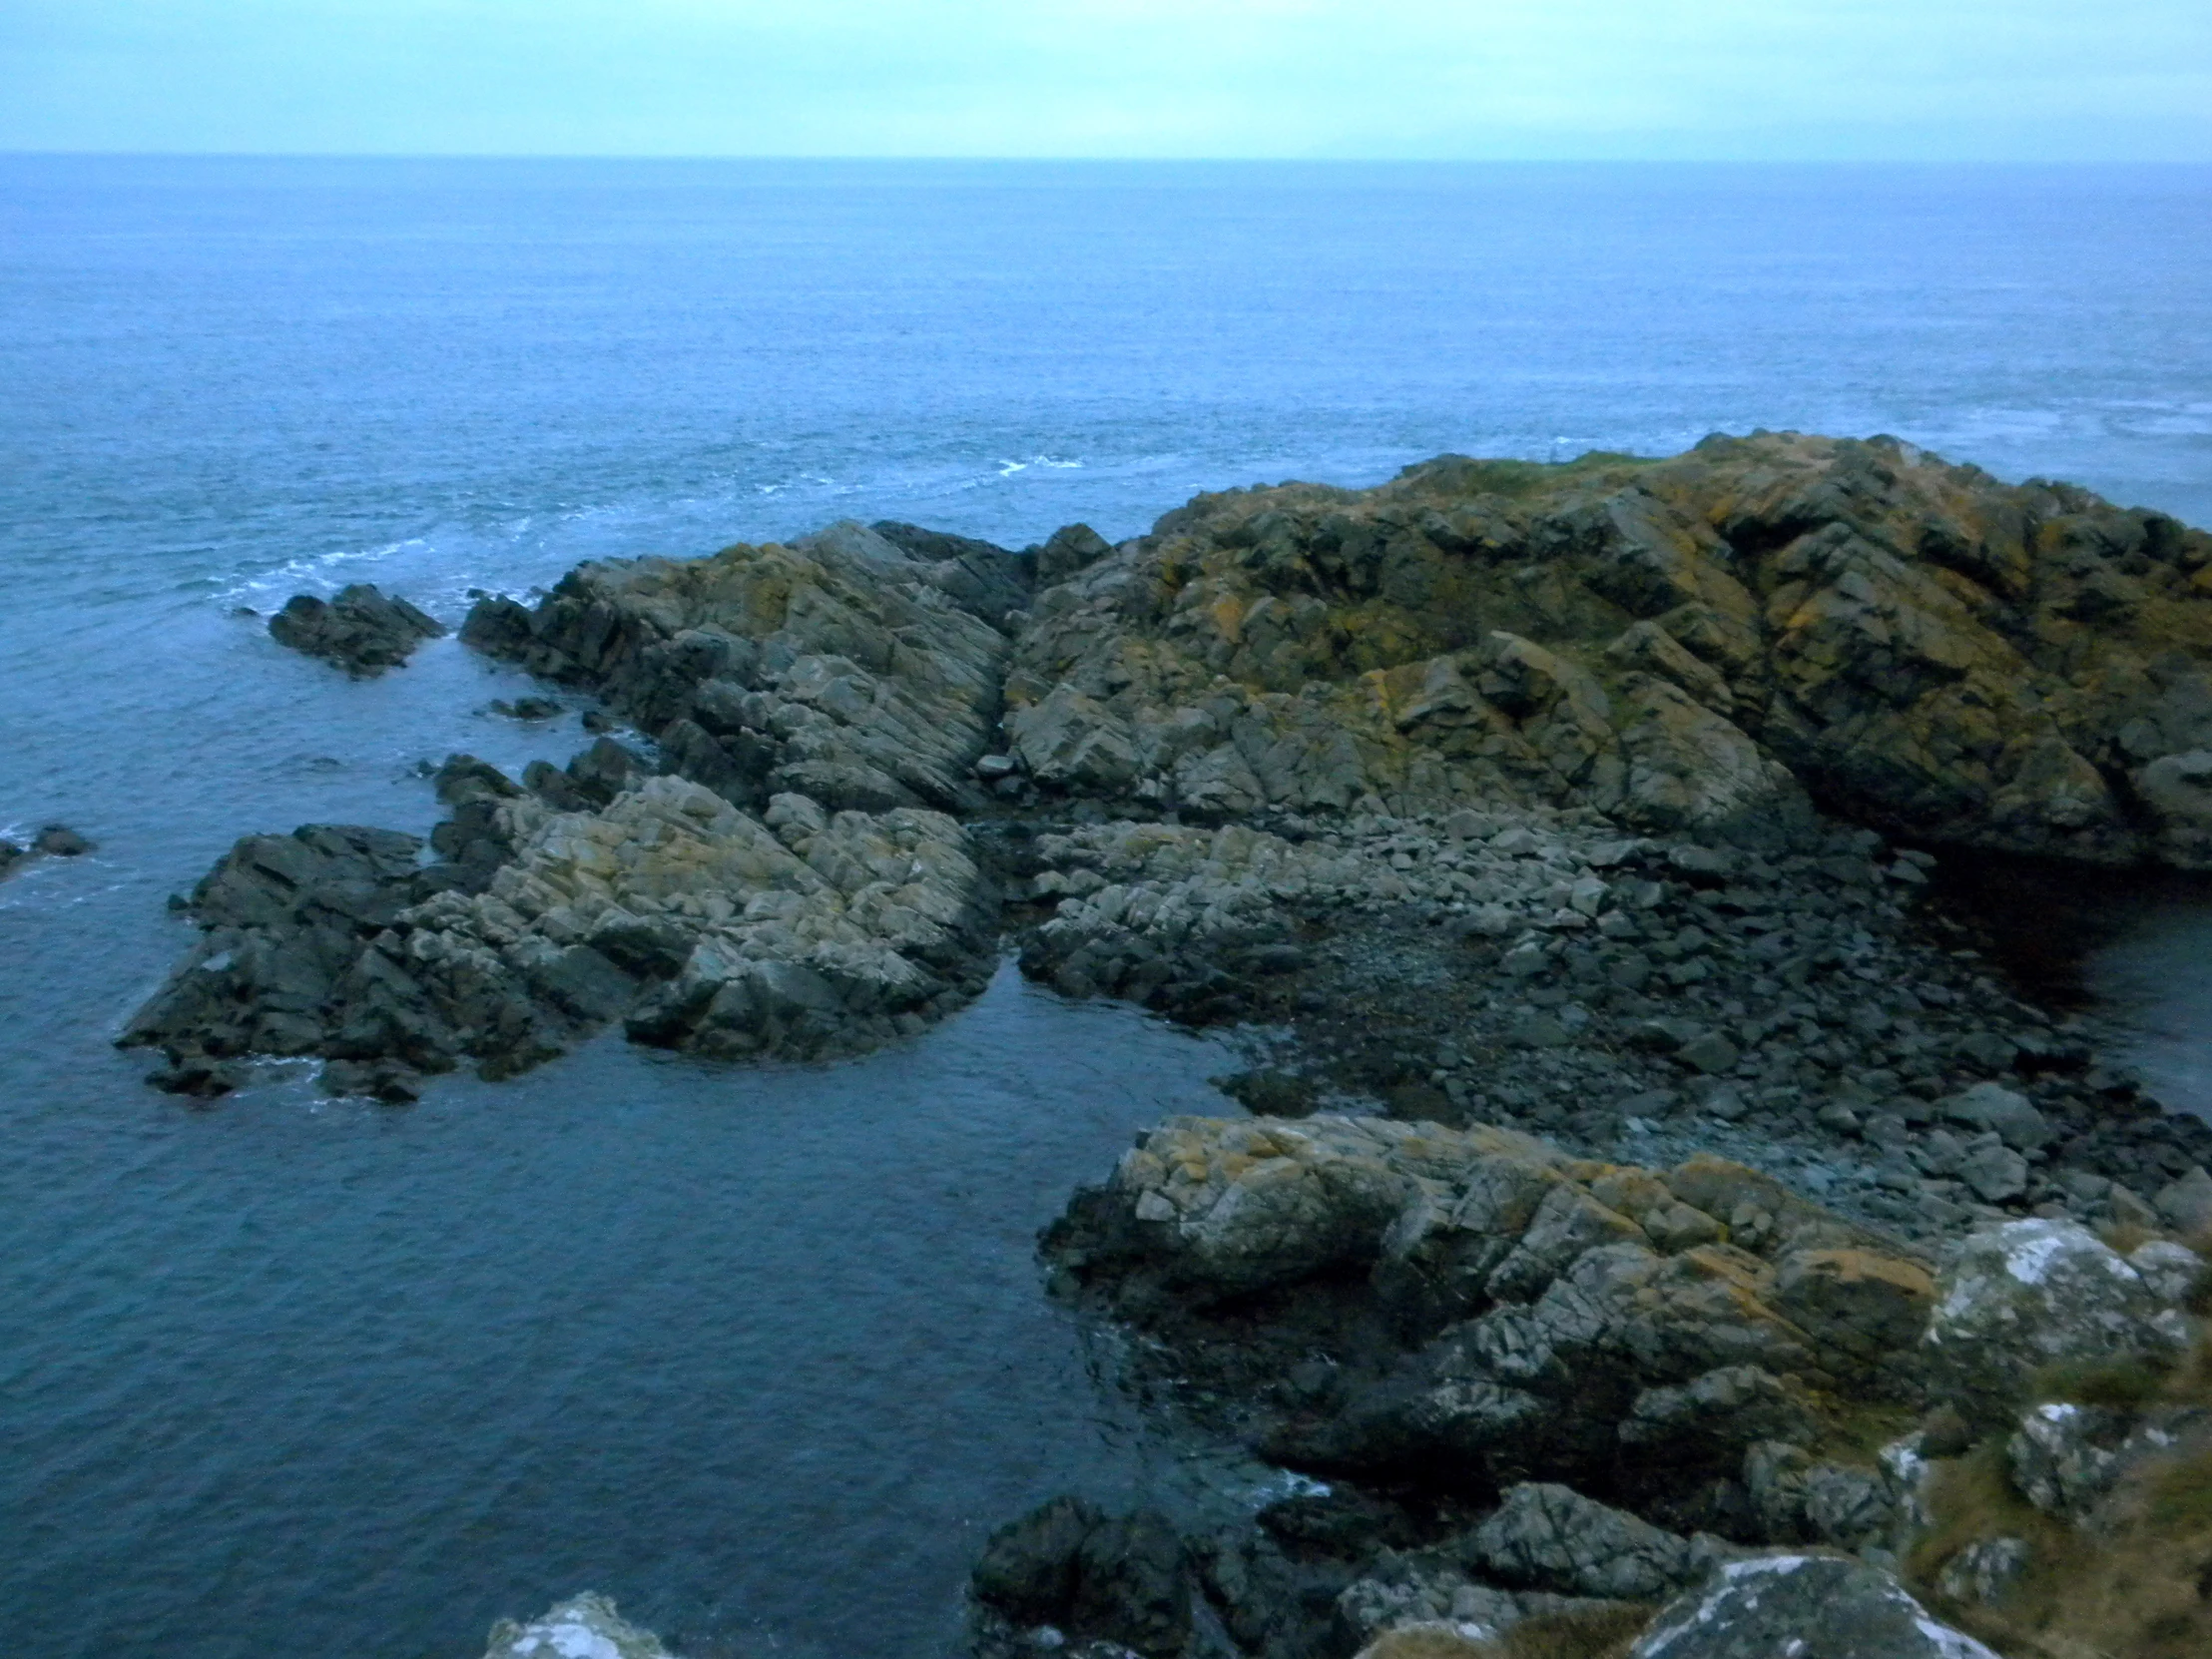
1805, 1606
2186, 1205
2064, 1456
1551, 1537
1993, 1106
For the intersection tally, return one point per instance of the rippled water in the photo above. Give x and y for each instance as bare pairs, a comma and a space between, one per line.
758, 1352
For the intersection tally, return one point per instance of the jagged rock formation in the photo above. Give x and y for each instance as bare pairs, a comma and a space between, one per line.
1553, 1394
605, 894
841, 668
364, 631
1677, 644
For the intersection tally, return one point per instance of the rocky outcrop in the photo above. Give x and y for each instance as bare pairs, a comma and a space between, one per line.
1679, 644
602, 895
583, 1627
1504, 1315
362, 630
844, 666
1552, 1394
56, 841
2039, 1293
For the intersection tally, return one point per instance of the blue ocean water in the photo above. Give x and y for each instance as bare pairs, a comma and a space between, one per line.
761, 1353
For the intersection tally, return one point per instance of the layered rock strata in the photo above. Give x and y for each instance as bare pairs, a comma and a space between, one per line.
604, 895
1679, 644
843, 667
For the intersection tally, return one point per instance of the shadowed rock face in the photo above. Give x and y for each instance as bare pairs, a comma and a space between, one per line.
364, 629
1679, 644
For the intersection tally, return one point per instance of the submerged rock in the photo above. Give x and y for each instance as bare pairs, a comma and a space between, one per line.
362, 630
584, 1627
56, 841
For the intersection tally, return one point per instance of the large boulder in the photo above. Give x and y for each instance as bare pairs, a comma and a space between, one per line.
362, 630
1804, 1607
2024, 1294
1541, 1336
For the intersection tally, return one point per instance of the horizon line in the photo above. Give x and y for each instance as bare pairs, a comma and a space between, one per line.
1559, 160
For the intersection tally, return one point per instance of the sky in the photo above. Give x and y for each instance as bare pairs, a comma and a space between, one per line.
2017, 79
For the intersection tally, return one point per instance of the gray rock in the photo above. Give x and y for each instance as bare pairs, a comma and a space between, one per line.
1985, 1571
1551, 1537
1805, 1607
1991, 1106
1716, 1418
2064, 1456
2171, 1270
362, 630
2028, 1294
1993, 1171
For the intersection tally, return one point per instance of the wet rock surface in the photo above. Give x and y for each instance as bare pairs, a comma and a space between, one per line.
55, 841
362, 630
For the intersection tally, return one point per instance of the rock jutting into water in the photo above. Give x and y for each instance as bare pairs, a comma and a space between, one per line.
1559, 1396
364, 629
1516, 800
56, 841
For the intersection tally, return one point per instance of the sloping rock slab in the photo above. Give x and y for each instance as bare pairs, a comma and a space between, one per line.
1805, 1607
838, 667
701, 926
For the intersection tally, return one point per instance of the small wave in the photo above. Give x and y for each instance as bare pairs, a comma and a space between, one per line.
308, 568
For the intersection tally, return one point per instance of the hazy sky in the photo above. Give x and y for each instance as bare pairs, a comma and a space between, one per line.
2026, 79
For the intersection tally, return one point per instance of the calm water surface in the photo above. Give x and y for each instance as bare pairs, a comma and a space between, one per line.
762, 1353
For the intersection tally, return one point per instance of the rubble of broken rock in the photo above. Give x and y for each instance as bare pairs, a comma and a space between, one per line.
1797, 1006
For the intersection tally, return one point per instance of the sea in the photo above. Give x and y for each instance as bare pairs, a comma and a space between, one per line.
764, 1353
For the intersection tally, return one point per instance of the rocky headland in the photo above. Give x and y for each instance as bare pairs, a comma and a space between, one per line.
1659, 1205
